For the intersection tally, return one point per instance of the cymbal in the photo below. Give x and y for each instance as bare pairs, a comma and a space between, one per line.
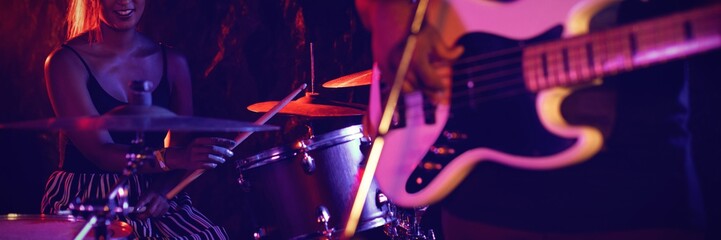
310, 106
353, 80
139, 118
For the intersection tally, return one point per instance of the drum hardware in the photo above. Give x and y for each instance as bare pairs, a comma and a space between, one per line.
100, 223
244, 185
407, 224
100, 217
312, 104
365, 147
318, 198
381, 199
323, 218
307, 161
260, 233
138, 116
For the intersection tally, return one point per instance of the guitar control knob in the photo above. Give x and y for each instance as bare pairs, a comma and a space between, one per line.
442, 150
453, 135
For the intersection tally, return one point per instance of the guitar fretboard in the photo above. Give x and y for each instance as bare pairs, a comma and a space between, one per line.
582, 59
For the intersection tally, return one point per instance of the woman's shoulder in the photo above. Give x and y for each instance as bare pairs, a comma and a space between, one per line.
66, 55
64, 65
80, 43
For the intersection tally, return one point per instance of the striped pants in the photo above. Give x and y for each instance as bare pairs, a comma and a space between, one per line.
182, 221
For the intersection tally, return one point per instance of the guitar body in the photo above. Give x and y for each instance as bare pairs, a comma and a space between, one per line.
422, 163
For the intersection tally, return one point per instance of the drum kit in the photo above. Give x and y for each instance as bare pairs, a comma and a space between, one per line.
300, 190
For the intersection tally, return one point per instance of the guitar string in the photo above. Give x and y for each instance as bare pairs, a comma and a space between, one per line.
474, 69
488, 55
600, 58
581, 42
479, 94
718, 21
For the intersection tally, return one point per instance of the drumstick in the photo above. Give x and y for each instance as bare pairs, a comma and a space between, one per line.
240, 138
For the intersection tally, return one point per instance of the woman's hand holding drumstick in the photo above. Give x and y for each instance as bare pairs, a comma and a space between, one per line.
240, 138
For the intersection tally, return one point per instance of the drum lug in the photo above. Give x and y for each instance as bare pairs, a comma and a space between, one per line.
381, 199
323, 217
244, 184
307, 161
259, 233
365, 146
241, 180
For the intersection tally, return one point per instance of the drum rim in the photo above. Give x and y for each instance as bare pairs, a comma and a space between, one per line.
276, 154
345, 135
20, 217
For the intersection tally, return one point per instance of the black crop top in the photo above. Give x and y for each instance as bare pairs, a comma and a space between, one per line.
73, 160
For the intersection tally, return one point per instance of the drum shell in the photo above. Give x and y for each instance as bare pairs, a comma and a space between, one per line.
285, 197
48, 226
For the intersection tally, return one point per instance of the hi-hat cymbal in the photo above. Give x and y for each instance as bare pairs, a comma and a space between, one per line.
353, 80
139, 118
309, 106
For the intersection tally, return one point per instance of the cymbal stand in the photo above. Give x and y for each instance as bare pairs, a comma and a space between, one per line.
407, 224
137, 154
416, 229
100, 216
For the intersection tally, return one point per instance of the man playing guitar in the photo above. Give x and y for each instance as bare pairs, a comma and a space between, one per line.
587, 160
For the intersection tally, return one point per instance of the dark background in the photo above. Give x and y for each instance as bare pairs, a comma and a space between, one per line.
240, 52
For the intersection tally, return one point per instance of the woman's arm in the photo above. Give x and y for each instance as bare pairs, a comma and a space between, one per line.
66, 82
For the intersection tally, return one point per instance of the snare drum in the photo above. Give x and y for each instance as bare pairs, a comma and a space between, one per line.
293, 188
43, 226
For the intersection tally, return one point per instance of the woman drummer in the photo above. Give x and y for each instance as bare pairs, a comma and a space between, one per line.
88, 75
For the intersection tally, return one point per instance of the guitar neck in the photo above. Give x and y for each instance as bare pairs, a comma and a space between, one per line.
582, 59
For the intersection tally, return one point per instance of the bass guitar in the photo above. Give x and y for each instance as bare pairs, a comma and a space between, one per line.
506, 104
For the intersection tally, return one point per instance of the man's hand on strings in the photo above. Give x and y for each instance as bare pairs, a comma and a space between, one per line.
430, 69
